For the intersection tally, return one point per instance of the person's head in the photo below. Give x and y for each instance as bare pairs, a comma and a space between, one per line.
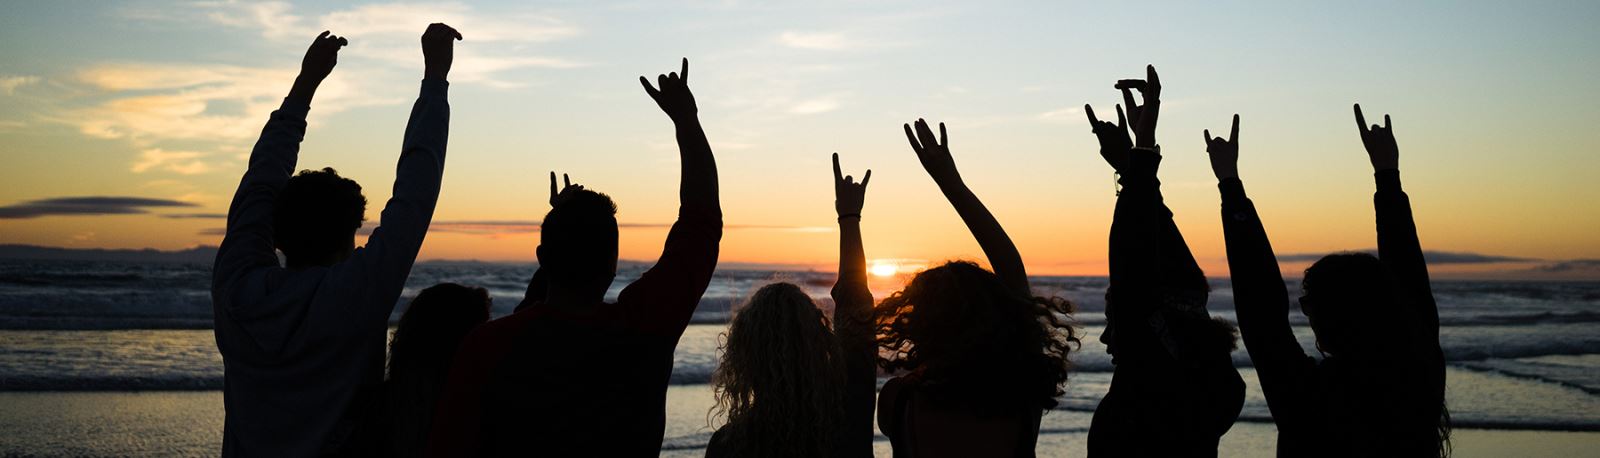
781, 379
578, 243
430, 330
975, 341
315, 218
434, 324
1346, 297
1351, 301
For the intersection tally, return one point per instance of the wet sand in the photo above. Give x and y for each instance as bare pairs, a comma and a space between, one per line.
189, 423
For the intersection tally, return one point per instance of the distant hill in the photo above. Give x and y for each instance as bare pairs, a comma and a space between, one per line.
199, 254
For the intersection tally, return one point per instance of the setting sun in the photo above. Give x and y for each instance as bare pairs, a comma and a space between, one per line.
884, 269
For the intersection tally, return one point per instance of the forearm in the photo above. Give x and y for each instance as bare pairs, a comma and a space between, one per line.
305, 87
248, 236
395, 243
852, 255
852, 318
698, 180
1399, 247
992, 238
1261, 300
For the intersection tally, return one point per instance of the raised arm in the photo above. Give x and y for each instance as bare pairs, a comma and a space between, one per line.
934, 153
248, 241
1260, 299
852, 312
674, 285
385, 261
1134, 253
1398, 246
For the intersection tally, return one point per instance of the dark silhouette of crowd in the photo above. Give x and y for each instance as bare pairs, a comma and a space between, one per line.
973, 357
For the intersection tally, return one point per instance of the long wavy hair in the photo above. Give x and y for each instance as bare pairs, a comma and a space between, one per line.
976, 343
780, 383
420, 353
1339, 294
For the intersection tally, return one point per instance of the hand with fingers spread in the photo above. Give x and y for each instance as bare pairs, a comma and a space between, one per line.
556, 196
1379, 140
1114, 141
673, 96
934, 153
1224, 152
848, 196
1143, 116
438, 50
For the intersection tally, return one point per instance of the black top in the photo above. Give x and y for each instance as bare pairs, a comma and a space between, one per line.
1173, 392
1339, 407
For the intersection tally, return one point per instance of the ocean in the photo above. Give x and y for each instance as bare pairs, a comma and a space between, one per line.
1524, 356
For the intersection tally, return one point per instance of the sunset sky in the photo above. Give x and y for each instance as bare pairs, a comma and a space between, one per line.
151, 108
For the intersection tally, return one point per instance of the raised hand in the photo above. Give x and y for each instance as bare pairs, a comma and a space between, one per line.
848, 196
674, 97
1143, 116
1379, 140
1114, 141
556, 196
438, 50
1224, 153
934, 153
321, 56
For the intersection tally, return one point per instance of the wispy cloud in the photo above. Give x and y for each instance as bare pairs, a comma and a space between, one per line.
1062, 116
814, 106
10, 83
1591, 266
180, 162
195, 215
90, 205
824, 41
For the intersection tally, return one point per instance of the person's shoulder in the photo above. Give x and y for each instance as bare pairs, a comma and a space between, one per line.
499, 329
719, 443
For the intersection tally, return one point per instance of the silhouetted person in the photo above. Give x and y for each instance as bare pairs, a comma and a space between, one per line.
570, 374
430, 331
1379, 388
302, 345
790, 387
1174, 391
984, 357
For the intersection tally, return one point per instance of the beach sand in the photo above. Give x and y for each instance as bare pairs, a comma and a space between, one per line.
189, 423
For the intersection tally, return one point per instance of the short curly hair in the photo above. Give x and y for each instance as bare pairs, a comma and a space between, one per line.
317, 213
578, 238
976, 342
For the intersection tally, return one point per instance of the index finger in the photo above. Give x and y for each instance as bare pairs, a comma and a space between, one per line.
1233, 137
910, 137
567, 181
1361, 121
925, 134
552, 185
1127, 99
685, 73
648, 89
1094, 123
